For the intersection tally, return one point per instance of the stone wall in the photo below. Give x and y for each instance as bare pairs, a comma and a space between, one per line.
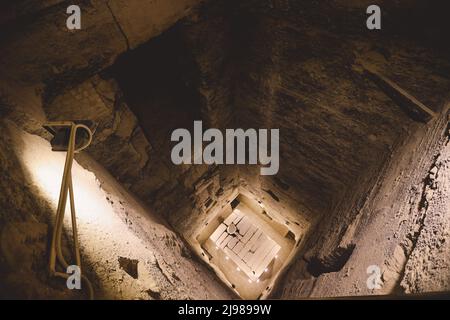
399, 219
113, 227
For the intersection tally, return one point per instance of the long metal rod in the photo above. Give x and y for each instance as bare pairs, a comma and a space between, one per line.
67, 189
74, 223
56, 238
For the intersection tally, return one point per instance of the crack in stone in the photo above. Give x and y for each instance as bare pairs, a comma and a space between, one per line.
127, 42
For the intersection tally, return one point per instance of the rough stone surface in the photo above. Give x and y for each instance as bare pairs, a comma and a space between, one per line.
111, 223
360, 181
40, 57
389, 229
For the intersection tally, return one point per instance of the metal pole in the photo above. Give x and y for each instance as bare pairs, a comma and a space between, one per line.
67, 189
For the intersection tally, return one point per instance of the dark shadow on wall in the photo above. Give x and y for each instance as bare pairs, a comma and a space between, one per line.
332, 263
160, 80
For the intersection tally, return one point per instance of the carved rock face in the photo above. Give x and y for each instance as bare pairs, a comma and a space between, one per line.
352, 162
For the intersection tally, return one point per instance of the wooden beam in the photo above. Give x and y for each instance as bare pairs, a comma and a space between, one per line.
413, 107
